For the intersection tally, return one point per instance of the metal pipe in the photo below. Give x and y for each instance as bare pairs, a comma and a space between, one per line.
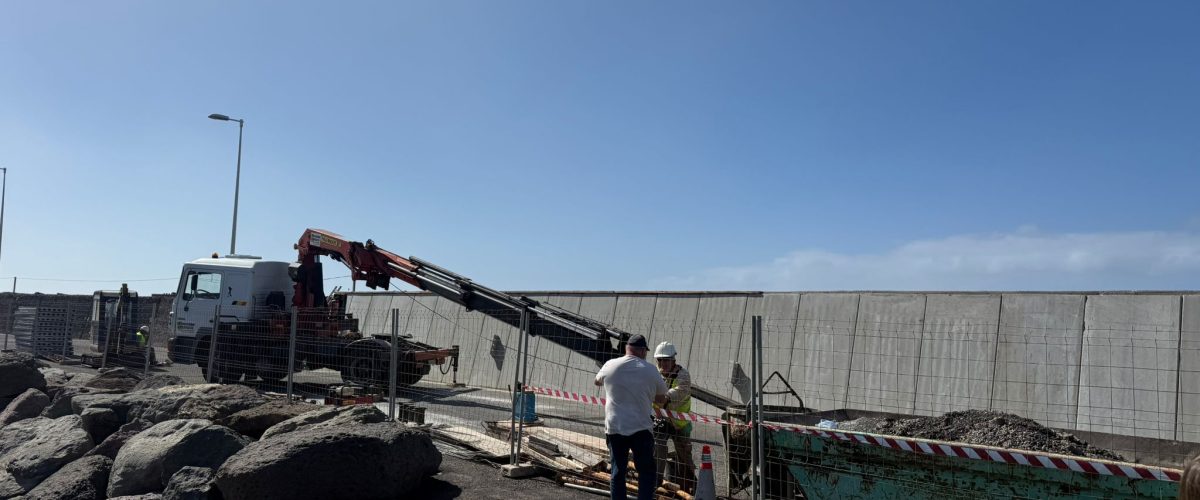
512, 442
762, 452
237, 186
12, 309
524, 378
291, 369
752, 409
212, 342
392, 365
108, 333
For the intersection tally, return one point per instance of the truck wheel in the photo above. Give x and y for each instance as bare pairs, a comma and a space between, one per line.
409, 371
364, 365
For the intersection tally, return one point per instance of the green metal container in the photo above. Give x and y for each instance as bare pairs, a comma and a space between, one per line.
821, 467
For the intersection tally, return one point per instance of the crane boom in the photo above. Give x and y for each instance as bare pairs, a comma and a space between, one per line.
376, 266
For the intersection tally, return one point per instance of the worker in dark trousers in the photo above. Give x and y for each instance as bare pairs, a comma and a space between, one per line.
675, 430
631, 387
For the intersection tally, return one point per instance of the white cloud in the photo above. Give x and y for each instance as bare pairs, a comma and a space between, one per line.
1022, 260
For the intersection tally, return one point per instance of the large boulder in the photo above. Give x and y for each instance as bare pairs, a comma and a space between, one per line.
60, 405
56, 379
100, 423
158, 382
83, 479
254, 421
328, 416
118, 379
19, 373
113, 443
206, 401
9, 487
383, 460
28, 405
33, 449
148, 460
192, 483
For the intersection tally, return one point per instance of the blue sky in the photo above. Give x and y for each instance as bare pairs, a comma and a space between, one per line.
612, 145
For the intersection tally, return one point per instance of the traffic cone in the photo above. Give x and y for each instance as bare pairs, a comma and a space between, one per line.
706, 489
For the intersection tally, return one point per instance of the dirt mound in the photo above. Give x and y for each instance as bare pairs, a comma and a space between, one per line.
987, 428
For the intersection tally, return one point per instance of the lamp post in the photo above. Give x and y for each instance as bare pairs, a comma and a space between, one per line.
237, 182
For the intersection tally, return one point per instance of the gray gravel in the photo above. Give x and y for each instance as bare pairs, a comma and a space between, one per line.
987, 428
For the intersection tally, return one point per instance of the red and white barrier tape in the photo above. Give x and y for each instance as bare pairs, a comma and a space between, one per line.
915, 446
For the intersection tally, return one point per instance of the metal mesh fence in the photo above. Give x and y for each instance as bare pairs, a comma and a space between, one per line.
861, 394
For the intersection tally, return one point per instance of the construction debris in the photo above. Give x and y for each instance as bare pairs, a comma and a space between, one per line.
988, 428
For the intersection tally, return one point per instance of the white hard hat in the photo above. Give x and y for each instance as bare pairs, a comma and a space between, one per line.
144, 328
665, 350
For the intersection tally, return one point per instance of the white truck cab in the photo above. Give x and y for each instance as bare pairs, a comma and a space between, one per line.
239, 284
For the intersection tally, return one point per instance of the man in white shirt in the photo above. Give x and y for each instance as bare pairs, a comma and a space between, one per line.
631, 387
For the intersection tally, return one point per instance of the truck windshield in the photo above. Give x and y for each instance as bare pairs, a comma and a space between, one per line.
203, 286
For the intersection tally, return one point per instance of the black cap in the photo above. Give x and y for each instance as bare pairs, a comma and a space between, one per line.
638, 341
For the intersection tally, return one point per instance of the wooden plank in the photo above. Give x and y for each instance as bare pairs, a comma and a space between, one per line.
487, 446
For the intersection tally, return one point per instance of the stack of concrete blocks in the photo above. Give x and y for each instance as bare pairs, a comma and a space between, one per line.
1121, 363
42, 330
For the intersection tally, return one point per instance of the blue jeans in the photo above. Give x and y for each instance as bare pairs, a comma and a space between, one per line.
642, 444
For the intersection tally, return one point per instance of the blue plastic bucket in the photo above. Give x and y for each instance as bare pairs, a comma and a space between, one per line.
530, 400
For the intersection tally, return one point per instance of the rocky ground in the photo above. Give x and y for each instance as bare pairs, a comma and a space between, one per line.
988, 428
117, 435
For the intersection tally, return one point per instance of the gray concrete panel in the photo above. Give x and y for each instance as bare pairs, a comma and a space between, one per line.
958, 352
1129, 373
820, 366
358, 305
473, 349
1188, 426
715, 344
1037, 358
675, 322
548, 360
887, 340
635, 313
445, 331
779, 328
495, 365
581, 371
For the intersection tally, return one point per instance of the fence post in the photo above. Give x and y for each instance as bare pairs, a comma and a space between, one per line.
291, 369
12, 309
149, 340
392, 365
514, 440
108, 330
212, 343
524, 378
759, 436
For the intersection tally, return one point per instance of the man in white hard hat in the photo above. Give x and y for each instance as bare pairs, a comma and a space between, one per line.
676, 430
631, 386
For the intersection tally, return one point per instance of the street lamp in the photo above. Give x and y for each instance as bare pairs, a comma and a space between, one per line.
237, 180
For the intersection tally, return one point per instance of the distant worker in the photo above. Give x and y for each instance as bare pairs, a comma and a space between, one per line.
677, 430
143, 333
631, 387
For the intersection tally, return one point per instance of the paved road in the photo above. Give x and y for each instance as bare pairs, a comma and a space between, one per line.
461, 406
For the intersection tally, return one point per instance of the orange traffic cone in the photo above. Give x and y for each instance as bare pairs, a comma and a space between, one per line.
706, 489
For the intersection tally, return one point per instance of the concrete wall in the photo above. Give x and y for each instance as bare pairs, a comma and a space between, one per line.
1123, 363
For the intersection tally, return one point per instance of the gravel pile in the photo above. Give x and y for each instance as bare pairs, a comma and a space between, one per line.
987, 428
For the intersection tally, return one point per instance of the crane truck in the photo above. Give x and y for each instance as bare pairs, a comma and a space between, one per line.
249, 302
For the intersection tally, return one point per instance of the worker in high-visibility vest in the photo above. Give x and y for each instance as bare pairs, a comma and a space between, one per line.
143, 334
675, 430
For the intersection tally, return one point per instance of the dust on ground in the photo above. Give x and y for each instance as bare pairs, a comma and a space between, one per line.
987, 428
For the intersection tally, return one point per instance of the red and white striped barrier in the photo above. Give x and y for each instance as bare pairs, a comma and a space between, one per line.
1030, 459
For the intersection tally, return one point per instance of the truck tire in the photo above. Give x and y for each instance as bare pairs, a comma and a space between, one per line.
364, 363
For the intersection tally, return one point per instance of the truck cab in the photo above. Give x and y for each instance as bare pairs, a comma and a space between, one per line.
239, 286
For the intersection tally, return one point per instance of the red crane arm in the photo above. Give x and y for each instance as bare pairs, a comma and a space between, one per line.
366, 262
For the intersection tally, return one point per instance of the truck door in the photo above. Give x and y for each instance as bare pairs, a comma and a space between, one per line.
198, 298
